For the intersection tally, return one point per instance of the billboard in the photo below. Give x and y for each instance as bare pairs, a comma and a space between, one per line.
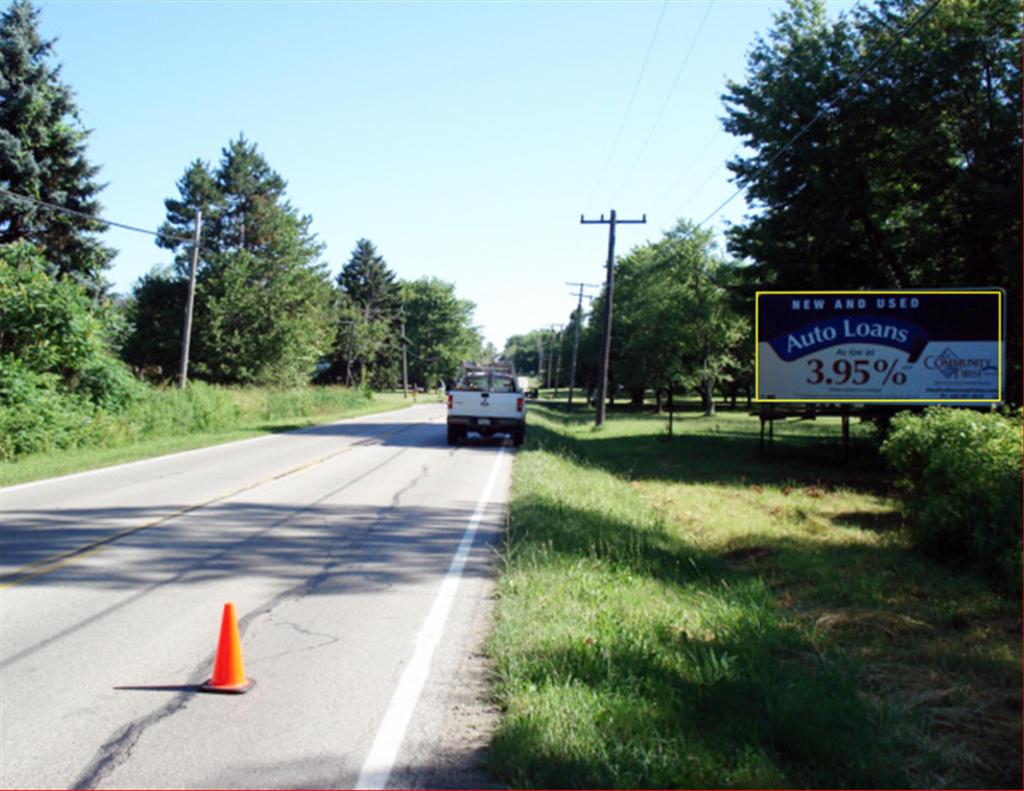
912, 346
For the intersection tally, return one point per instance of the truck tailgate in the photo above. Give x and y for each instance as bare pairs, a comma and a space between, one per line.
471, 403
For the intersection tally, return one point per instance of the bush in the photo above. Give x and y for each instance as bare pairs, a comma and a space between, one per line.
34, 414
960, 475
60, 384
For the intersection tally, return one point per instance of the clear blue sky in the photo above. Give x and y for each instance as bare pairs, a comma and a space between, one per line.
463, 139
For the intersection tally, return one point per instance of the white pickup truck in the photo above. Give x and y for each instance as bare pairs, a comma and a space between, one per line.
488, 400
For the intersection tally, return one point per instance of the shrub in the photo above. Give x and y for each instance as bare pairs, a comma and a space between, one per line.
34, 414
48, 324
960, 476
60, 384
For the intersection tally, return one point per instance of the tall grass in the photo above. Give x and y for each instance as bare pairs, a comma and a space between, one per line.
679, 614
165, 419
203, 408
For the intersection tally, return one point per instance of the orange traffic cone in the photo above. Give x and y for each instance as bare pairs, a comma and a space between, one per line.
228, 672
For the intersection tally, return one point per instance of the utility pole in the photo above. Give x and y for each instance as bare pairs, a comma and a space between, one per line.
576, 334
351, 350
556, 332
405, 363
186, 333
540, 362
602, 382
549, 370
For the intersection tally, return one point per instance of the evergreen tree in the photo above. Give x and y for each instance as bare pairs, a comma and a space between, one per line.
197, 191
244, 209
370, 309
42, 154
260, 322
263, 312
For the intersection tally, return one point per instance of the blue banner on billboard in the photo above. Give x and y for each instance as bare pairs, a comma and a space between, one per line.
880, 346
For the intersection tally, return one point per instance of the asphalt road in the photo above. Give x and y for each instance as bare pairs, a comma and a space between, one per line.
358, 556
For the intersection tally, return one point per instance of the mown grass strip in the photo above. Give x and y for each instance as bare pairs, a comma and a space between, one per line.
678, 614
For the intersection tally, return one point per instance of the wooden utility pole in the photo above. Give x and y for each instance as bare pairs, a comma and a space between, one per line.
540, 362
405, 363
576, 334
186, 333
609, 290
556, 334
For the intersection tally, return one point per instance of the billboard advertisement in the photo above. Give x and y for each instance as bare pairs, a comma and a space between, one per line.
911, 346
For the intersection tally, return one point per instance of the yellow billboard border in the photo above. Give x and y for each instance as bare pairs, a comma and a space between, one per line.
999, 293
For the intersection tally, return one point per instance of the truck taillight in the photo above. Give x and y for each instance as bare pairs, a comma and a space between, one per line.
450, 399
519, 405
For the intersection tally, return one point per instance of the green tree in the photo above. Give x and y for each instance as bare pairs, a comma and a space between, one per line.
642, 355
571, 378
198, 191
244, 207
674, 319
262, 323
42, 154
154, 311
440, 329
588, 362
263, 299
525, 352
370, 309
57, 371
911, 175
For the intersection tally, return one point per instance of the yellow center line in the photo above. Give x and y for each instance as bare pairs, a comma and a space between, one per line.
45, 565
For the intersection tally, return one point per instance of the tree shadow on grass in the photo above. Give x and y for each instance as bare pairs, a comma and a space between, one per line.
727, 457
772, 693
676, 712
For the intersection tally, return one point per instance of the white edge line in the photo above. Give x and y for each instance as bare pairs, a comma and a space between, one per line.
153, 459
391, 731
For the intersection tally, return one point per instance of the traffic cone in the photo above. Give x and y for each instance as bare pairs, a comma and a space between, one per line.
228, 672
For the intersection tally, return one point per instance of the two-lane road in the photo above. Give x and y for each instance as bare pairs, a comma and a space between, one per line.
358, 558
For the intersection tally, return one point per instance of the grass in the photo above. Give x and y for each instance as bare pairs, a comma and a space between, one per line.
169, 424
677, 613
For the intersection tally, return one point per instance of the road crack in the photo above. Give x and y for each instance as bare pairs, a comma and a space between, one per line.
117, 750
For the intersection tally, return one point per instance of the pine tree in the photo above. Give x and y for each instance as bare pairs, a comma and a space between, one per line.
263, 312
42, 154
198, 191
369, 283
370, 305
244, 210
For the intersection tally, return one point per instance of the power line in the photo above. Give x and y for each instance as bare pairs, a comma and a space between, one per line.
91, 218
629, 106
831, 104
730, 155
664, 105
689, 169
707, 180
